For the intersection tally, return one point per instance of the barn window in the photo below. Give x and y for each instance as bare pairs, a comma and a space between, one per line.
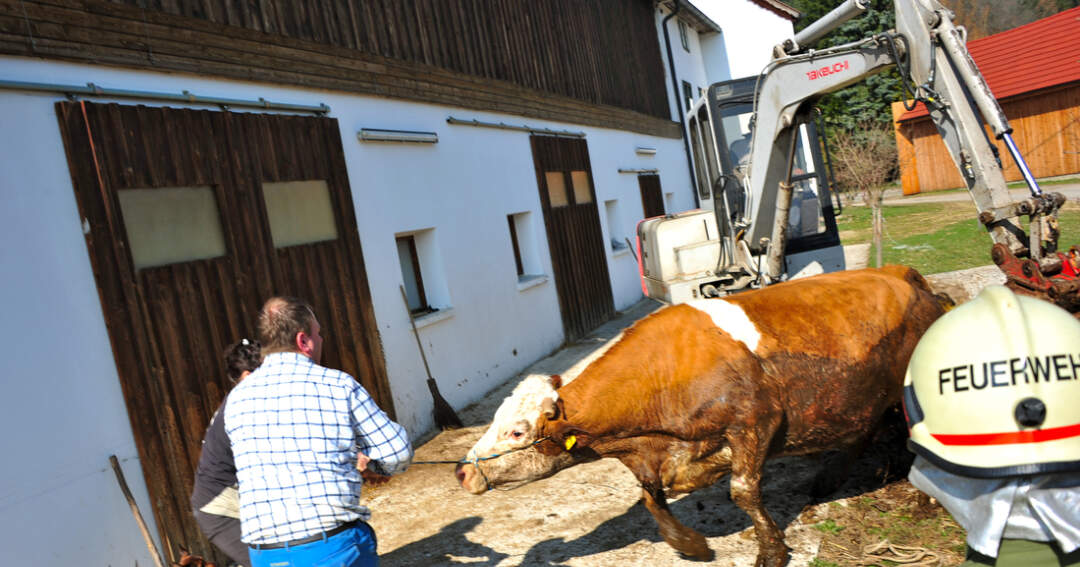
526, 257
300, 212
514, 243
411, 275
582, 191
684, 36
615, 228
688, 95
556, 186
169, 225
422, 272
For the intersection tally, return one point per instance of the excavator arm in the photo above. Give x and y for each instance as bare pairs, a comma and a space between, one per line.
752, 197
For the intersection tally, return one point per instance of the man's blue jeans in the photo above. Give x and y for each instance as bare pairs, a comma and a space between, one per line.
354, 547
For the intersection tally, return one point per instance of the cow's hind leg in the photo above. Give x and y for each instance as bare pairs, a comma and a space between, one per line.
683, 539
888, 436
749, 447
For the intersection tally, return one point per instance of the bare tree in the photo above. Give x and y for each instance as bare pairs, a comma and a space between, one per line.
866, 161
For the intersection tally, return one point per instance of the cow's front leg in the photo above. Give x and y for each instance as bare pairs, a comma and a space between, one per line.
685, 540
749, 447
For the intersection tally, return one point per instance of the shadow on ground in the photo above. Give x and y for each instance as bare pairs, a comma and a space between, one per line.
458, 550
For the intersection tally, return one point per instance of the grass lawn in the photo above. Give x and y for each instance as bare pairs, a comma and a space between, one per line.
937, 237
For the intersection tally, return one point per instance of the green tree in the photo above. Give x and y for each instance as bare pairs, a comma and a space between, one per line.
869, 101
866, 101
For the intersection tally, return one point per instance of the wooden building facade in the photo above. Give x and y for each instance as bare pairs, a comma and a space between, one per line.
1034, 72
595, 63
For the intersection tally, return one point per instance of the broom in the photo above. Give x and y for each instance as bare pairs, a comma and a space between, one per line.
445, 417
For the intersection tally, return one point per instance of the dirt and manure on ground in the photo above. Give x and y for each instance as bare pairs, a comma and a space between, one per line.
592, 514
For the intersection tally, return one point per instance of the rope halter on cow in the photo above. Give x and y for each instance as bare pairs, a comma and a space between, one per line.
475, 461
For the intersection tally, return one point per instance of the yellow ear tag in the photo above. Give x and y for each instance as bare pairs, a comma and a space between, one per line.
570, 442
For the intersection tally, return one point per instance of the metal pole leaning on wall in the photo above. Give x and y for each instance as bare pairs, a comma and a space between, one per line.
92, 90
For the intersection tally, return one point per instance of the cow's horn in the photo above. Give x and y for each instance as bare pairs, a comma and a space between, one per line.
551, 410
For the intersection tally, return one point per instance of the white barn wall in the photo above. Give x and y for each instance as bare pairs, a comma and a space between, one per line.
742, 48
62, 392
749, 34
62, 411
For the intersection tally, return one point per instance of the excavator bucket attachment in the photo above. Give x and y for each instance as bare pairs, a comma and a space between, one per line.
1057, 281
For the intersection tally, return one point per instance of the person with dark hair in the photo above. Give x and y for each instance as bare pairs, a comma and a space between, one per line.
214, 498
305, 438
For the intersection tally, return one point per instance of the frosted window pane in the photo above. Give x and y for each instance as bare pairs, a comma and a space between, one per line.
171, 225
300, 212
580, 180
556, 184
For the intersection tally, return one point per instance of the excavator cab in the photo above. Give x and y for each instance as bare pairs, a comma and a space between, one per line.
710, 252
812, 220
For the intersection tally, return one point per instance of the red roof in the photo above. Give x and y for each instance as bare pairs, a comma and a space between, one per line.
1044, 53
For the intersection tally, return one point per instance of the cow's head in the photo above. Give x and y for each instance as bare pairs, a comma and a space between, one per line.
515, 435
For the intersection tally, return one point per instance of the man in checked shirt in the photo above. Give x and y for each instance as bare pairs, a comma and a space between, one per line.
297, 431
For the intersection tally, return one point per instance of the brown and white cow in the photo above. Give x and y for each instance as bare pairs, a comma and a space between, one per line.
699, 390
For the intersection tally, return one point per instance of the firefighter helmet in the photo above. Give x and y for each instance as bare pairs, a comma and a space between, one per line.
993, 387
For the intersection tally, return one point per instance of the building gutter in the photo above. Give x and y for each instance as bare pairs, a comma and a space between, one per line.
678, 103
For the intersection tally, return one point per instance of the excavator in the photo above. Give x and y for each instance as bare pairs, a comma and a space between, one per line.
767, 211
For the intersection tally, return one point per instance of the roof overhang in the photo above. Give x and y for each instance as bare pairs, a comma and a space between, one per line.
691, 15
779, 8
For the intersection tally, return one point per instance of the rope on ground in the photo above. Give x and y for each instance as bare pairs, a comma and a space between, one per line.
909, 556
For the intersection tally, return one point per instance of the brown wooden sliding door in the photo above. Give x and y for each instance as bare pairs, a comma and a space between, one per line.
572, 220
193, 218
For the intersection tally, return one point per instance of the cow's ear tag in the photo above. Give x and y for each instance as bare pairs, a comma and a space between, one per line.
570, 440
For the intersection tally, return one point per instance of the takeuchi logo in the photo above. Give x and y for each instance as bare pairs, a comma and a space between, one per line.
826, 71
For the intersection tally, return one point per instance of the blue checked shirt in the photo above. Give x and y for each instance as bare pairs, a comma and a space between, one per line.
295, 429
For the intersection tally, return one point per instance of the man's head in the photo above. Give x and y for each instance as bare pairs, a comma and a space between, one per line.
288, 324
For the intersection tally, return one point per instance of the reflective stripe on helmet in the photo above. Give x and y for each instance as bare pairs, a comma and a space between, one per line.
1011, 437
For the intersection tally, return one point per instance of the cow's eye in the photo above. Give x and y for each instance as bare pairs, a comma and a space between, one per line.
516, 434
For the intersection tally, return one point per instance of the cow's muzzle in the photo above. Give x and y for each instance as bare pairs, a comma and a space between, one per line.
471, 478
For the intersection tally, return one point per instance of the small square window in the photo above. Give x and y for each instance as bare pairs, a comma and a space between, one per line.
556, 186
523, 241
615, 229
517, 247
411, 275
169, 225
300, 212
582, 191
422, 272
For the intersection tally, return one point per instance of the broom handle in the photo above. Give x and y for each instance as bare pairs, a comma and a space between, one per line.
135, 510
416, 334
